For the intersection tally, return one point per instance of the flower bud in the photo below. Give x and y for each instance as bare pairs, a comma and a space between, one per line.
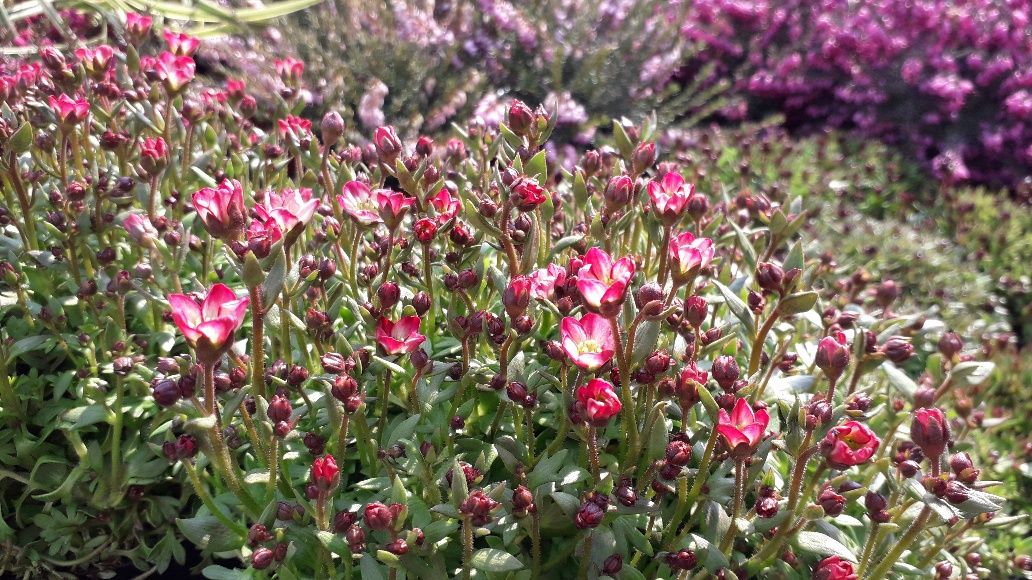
930, 431
618, 191
897, 349
519, 118
770, 277
643, 157
725, 371
681, 560
950, 345
332, 128
832, 355
262, 558
388, 294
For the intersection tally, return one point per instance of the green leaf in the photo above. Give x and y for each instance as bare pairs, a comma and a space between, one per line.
798, 303
737, 307
492, 560
208, 533
822, 545
22, 138
216, 572
537, 167
899, 379
972, 373
623, 142
645, 340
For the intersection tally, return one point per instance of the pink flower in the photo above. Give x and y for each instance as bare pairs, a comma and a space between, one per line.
358, 202
516, 296
221, 209
261, 236
743, 429
399, 337
834, 568
689, 254
235, 88
588, 341
180, 43
290, 70
289, 209
209, 326
174, 71
387, 143
544, 281
153, 154
603, 283
527, 194
140, 229
325, 473
597, 402
69, 111
294, 128
138, 25
670, 197
445, 205
392, 205
95, 60
832, 355
849, 444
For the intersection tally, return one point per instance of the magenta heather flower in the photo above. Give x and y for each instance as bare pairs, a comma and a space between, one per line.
445, 205
598, 402
544, 281
208, 326
743, 429
688, 255
849, 444
588, 341
670, 197
399, 337
358, 201
602, 282
221, 209
180, 43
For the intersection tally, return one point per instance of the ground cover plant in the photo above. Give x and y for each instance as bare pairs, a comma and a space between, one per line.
304, 357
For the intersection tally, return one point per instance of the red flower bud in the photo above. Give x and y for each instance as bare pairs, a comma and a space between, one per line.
930, 431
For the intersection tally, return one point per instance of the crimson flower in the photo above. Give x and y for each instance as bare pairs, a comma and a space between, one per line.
743, 429
358, 202
425, 230
69, 111
834, 568
602, 282
516, 296
544, 281
670, 197
393, 205
399, 337
849, 444
597, 402
209, 326
588, 342
325, 473
180, 43
689, 254
527, 194
221, 209
446, 205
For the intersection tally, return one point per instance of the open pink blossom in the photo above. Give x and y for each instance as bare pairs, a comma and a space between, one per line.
399, 337
544, 281
743, 429
670, 197
392, 205
69, 111
180, 43
446, 205
294, 128
602, 282
588, 342
138, 25
175, 72
848, 444
209, 326
358, 202
95, 60
290, 208
221, 209
597, 402
689, 254
289, 69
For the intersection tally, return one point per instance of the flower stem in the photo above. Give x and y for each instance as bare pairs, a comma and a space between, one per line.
761, 337
592, 442
732, 529
630, 423
116, 438
882, 570
467, 547
257, 343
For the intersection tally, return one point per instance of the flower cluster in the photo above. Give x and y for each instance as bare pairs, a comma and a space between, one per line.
397, 355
